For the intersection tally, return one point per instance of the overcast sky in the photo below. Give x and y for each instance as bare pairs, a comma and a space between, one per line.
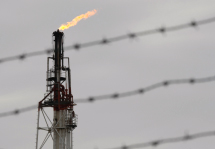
27, 26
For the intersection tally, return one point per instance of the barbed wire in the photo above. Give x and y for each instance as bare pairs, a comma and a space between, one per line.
123, 94
156, 143
146, 89
104, 41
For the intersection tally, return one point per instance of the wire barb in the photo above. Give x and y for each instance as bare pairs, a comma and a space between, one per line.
77, 46
23, 56
193, 23
49, 51
104, 41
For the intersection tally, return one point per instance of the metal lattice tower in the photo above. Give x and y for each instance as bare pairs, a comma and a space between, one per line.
58, 97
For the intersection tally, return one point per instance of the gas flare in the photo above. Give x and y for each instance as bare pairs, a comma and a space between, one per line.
77, 19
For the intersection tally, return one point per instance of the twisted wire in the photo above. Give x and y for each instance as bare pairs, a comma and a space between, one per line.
156, 143
104, 41
123, 94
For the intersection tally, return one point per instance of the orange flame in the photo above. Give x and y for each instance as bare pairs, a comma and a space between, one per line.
77, 19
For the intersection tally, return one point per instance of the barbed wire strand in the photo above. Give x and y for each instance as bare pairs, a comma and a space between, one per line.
156, 143
123, 94
104, 41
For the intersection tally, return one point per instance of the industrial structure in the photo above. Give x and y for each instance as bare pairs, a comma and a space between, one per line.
58, 97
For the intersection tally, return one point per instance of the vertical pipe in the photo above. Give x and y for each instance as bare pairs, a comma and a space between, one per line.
60, 131
71, 140
67, 129
69, 85
56, 137
68, 139
58, 144
47, 75
64, 128
62, 54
